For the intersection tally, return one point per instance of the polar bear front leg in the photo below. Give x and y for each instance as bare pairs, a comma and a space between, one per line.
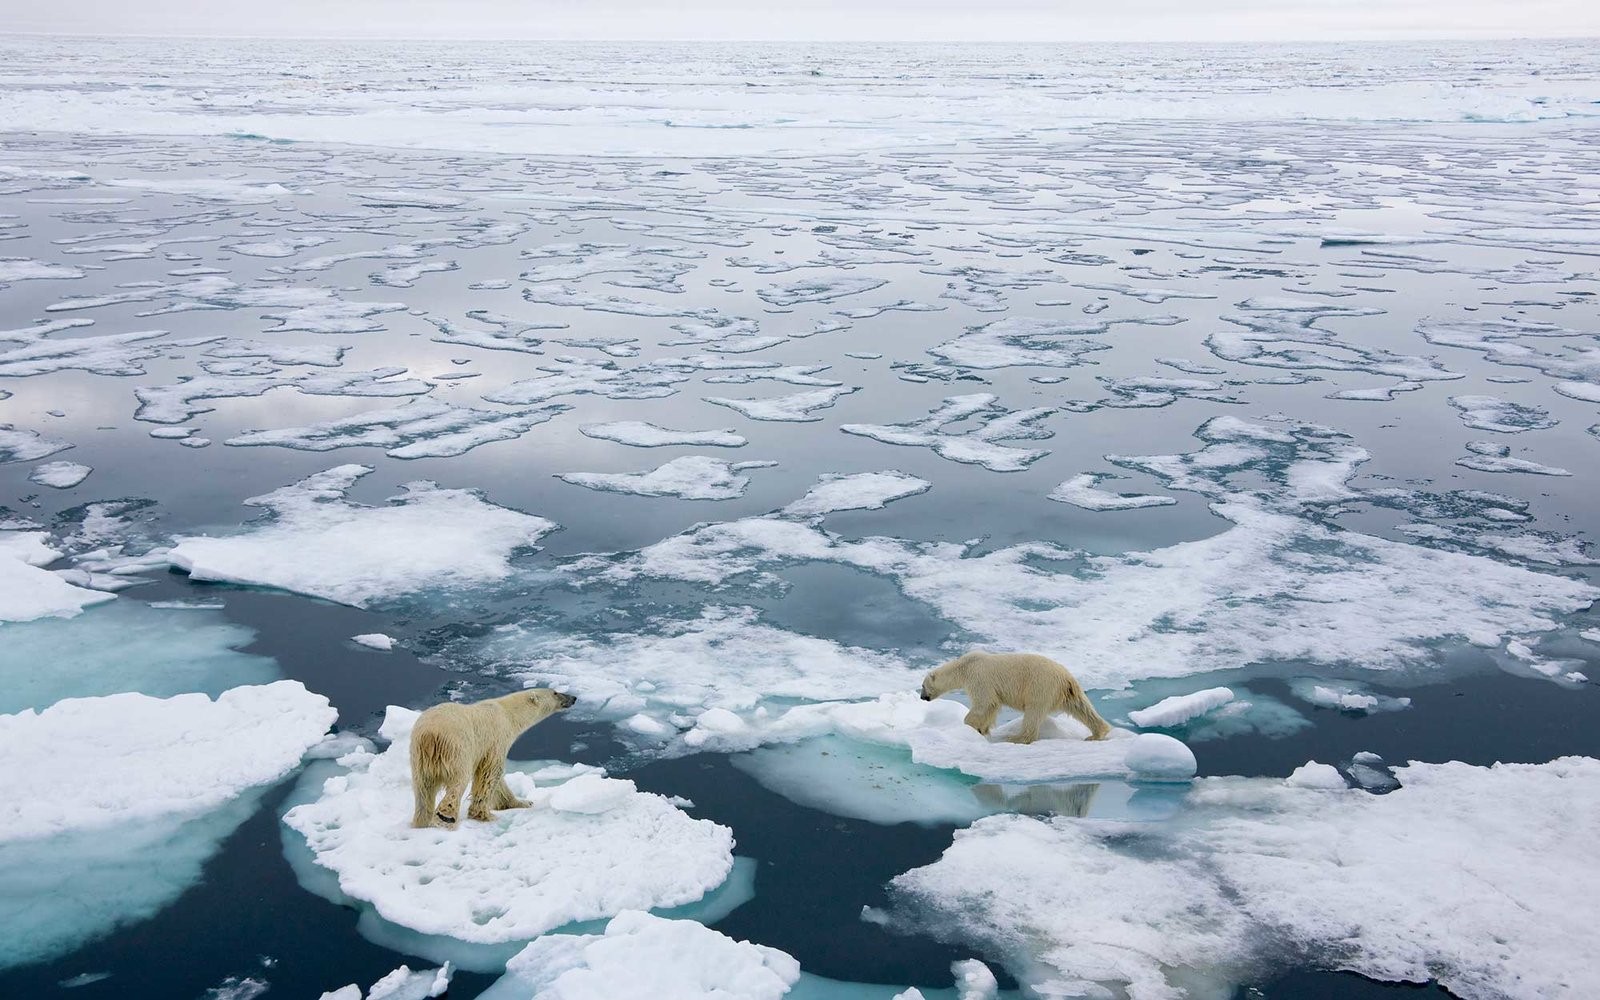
981, 717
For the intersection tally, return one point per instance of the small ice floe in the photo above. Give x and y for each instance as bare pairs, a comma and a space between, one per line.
26, 269
1378, 394
1287, 332
401, 984
421, 428
1491, 413
18, 444
1345, 696
1180, 708
818, 290
570, 376
1082, 491
645, 435
1588, 392
374, 640
59, 475
586, 849
858, 491
639, 955
1031, 342
1408, 886
794, 408
183, 400
83, 979
1314, 775
27, 591
1490, 457
978, 445
693, 477
427, 537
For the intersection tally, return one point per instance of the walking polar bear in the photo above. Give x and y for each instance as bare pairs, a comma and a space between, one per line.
1034, 685
454, 745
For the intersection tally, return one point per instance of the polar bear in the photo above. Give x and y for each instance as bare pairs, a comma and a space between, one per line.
1034, 685
454, 745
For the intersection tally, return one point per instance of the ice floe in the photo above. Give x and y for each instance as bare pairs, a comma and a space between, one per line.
978, 445
587, 848
28, 592
641, 955
1082, 491
18, 444
795, 408
645, 435
693, 477
1261, 873
421, 428
59, 475
185, 399
320, 543
1486, 456
173, 778
1180, 708
1491, 413
856, 491
1345, 696
374, 640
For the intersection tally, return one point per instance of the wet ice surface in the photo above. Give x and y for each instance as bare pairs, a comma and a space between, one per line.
1265, 395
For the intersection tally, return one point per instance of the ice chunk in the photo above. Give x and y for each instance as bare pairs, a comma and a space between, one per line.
422, 428
1180, 708
978, 445
427, 537
404, 984
640, 955
795, 408
59, 475
693, 477
644, 435
860, 491
28, 592
18, 444
527, 871
1314, 775
818, 290
1263, 872
1345, 696
1081, 491
374, 640
183, 400
974, 981
125, 646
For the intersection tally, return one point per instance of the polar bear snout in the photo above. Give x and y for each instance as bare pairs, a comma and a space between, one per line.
566, 700
925, 695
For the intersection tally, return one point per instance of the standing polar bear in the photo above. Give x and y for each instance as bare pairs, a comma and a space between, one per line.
454, 745
1034, 685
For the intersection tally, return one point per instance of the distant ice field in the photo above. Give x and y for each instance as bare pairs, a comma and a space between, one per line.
730, 390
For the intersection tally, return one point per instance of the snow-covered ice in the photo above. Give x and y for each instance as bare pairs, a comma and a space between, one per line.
693, 477
587, 848
374, 640
28, 592
59, 475
1083, 491
427, 537
858, 491
1180, 708
646, 435
1405, 887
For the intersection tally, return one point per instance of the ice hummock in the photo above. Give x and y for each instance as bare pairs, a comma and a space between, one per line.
29, 592
322, 544
639, 955
587, 848
1408, 886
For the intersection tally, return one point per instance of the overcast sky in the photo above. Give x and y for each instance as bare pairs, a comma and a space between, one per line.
938, 20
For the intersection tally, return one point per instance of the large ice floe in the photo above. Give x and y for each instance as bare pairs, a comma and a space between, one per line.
1469, 876
587, 848
112, 804
318, 542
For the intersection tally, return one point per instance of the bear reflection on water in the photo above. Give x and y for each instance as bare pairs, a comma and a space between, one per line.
1037, 800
